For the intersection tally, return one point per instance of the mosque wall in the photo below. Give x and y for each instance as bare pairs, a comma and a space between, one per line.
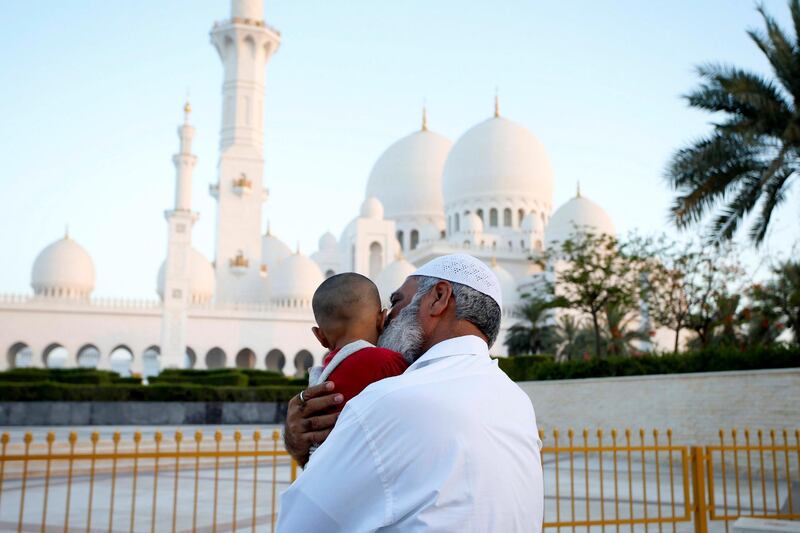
694, 406
253, 333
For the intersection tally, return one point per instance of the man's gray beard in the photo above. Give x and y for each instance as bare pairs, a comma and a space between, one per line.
404, 334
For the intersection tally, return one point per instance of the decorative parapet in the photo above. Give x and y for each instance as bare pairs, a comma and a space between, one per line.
104, 303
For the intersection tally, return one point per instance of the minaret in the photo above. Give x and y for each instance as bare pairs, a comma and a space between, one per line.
179, 243
244, 44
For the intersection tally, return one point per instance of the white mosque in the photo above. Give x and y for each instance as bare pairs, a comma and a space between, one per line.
489, 194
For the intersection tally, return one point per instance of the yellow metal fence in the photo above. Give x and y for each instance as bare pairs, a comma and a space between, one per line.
594, 481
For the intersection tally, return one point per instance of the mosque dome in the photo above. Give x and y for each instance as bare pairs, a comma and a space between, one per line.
273, 250
472, 223
495, 161
328, 242
391, 277
407, 177
63, 269
294, 280
372, 208
579, 213
201, 278
508, 286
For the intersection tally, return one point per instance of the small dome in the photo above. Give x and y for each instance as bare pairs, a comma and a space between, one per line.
294, 280
578, 214
328, 242
472, 223
372, 208
407, 177
273, 251
63, 269
391, 277
498, 158
201, 278
530, 224
508, 286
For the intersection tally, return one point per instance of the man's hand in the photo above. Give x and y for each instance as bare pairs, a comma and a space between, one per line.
305, 425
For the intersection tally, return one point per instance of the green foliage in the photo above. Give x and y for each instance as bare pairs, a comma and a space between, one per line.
85, 376
49, 391
539, 368
749, 160
776, 305
532, 334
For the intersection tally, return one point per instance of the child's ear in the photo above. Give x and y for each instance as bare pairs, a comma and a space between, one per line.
382, 316
320, 335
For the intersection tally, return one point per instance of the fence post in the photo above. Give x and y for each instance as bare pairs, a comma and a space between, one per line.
699, 490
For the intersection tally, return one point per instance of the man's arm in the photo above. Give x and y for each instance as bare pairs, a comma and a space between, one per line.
305, 423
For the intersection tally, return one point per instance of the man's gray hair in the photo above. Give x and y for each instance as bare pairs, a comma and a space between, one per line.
473, 306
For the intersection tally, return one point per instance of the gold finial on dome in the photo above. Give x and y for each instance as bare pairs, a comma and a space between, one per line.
297, 251
578, 193
496, 103
424, 118
66, 232
187, 108
269, 230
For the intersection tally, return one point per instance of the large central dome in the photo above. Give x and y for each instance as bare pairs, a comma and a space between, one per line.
407, 177
498, 164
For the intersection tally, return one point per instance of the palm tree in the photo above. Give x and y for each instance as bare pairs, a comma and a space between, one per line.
750, 159
621, 337
533, 334
575, 339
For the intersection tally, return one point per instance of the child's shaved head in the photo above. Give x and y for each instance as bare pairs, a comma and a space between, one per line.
343, 298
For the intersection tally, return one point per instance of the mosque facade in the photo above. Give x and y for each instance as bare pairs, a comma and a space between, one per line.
489, 194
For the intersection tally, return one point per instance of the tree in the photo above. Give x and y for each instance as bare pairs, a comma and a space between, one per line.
593, 272
673, 276
621, 338
573, 337
750, 159
776, 303
714, 296
533, 334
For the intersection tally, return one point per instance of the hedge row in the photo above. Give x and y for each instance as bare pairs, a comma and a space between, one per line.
49, 391
541, 367
225, 377
77, 376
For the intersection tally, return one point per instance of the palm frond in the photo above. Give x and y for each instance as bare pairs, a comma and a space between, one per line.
774, 194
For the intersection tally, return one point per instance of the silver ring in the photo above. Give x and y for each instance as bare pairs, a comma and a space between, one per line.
302, 399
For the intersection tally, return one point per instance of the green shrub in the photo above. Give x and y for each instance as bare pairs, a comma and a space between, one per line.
218, 379
538, 367
122, 392
88, 376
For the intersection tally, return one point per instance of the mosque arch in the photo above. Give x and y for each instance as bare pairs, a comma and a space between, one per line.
55, 356
190, 358
151, 361
215, 358
121, 359
493, 217
457, 222
414, 239
302, 362
375, 259
507, 217
520, 216
275, 360
19, 355
246, 358
400, 239
88, 356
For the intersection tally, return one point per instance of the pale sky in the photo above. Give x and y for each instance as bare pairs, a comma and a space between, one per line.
93, 89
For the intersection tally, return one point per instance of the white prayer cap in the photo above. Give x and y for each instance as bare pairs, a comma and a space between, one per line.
466, 270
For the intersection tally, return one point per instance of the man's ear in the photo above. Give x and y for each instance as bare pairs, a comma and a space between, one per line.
442, 295
382, 320
320, 335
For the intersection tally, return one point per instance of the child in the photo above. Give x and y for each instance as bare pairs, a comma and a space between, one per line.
349, 318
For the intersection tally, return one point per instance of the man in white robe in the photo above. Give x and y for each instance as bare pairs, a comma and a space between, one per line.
451, 445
